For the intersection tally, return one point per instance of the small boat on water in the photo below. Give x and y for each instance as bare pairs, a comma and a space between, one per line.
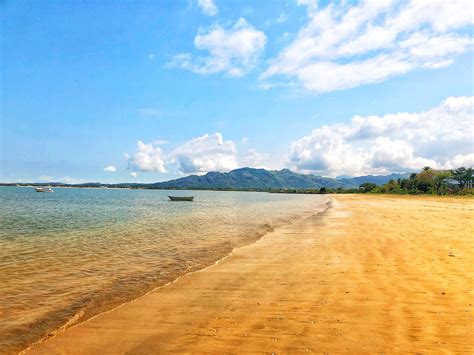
43, 189
181, 198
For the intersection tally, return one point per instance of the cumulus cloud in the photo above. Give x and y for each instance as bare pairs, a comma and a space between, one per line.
232, 51
441, 137
199, 155
147, 158
208, 7
206, 153
133, 174
110, 169
344, 46
459, 160
255, 159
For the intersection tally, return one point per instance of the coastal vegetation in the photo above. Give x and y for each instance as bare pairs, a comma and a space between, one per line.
428, 181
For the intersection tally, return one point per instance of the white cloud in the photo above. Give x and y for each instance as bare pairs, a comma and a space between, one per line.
208, 7
151, 56
255, 159
311, 4
441, 137
209, 152
110, 169
459, 160
206, 153
345, 46
147, 158
133, 174
233, 51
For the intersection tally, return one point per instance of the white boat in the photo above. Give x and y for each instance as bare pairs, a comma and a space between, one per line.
43, 189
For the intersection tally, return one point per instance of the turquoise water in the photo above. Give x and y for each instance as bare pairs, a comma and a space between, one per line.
73, 253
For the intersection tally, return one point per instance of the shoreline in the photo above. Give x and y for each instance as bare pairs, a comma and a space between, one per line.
270, 191
244, 298
77, 321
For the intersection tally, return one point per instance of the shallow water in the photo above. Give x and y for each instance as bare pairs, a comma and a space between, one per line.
68, 255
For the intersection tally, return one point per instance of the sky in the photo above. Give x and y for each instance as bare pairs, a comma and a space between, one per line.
145, 91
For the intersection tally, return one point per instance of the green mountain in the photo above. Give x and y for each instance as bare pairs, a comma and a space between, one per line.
375, 179
249, 178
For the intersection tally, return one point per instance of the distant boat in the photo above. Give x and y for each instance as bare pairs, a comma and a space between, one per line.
44, 189
181, 198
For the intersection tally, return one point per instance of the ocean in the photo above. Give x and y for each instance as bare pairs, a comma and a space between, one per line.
71, 254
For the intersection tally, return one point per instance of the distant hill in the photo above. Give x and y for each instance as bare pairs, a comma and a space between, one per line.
246, 179
249, 178
375, 179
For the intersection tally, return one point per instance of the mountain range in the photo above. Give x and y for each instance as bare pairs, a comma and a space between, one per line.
375, 179
247, 179
262, 179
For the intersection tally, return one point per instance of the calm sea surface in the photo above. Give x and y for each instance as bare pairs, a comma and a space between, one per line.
68, 255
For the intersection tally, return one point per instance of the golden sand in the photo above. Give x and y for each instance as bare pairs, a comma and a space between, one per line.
372, 274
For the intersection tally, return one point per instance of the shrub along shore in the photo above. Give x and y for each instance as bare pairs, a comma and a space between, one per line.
428, 181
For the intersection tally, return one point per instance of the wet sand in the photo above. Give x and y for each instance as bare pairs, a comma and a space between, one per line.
372, 274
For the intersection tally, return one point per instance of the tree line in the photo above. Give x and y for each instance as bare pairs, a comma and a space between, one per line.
428, 181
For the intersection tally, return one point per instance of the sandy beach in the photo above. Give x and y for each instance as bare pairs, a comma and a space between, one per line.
371, 274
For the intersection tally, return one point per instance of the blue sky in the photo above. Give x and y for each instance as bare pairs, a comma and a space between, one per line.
154, 90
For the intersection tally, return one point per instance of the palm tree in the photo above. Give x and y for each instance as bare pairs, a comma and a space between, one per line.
439, 184
463, 176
